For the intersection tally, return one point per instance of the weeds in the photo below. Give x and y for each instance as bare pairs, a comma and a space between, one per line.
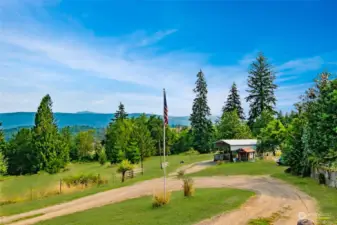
188, 186
271, 219
181, 174
84, 180
161, 199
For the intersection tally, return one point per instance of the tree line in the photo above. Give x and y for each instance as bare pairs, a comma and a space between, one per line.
306, 135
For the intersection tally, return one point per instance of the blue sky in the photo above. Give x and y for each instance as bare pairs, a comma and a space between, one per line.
90, 55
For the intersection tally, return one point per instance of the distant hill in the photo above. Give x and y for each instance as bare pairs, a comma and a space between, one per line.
90, 119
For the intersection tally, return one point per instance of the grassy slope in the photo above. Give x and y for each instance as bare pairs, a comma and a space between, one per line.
206, 203
17, 185
325, 196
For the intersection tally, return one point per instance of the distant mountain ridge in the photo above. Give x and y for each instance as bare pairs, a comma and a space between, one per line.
91, 119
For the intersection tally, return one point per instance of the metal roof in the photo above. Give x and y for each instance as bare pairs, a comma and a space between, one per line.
240, 142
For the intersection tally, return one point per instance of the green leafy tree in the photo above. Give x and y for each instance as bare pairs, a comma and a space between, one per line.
85, 145
144, 139
261, 122
120, 113
184, 141
230, 126
132, 151
155, 126
3, 164
271, 137
117, 139
234, 103
100, 152
20, 155
124, 167
51, 153
201, 125
261, 88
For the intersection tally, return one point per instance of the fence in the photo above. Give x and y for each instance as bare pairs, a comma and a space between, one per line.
132, 173
330, 176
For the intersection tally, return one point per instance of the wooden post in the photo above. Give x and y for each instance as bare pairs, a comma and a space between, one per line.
60, 186
31, 193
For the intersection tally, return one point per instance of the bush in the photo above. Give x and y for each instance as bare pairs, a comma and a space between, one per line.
181, 174
160, 199
123, 167
321, 179
219, 162
191, 151
84, 180
188, 186
102, 158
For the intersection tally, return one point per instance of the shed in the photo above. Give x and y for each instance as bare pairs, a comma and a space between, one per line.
240, 149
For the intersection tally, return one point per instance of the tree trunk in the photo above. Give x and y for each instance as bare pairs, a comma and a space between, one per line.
123, 176
141, 164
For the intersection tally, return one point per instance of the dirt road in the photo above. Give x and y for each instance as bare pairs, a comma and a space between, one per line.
272, 195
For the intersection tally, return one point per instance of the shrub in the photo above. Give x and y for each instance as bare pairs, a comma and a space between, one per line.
181, 174
191, 151
123, 167
219, 162
321, 179
84, 180
161, 199
102, 158
188, 186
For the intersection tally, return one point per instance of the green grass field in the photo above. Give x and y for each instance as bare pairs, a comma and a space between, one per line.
325, 196
205, 204
17, 187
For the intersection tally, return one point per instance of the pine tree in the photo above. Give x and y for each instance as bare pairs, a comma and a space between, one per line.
50, 152
261, 88
120, 113
201, 126
234, 102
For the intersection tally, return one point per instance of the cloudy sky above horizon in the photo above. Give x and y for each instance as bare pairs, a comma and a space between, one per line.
91, 55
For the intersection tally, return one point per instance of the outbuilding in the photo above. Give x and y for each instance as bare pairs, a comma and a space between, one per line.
235, 149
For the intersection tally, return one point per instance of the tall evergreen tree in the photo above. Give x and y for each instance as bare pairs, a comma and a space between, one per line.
51, 152
120, 113
201, 125
234, 103
261, 88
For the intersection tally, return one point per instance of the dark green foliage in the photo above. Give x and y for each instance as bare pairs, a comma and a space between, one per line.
120, 113
261, 88
321, 179
155, 126
261, 122
132, 151
3, 148
201, 126
271, 137
230, 126
51, 153
20, 155
84, 149
234, 103
184, 141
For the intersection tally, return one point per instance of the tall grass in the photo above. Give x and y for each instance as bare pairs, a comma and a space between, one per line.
160, 199
188, 187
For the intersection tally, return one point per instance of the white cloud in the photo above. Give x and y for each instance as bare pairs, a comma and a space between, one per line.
36, 60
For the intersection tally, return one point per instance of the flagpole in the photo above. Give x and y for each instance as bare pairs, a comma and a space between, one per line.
164, 161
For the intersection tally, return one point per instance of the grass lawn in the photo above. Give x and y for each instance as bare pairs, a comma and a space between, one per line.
205, 204
260, 167
325, 196
14, 186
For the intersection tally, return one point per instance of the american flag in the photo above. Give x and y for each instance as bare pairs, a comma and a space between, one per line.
165, 110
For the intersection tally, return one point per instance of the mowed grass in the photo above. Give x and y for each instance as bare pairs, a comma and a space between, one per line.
325, 196
260, 167
181, 210
21, 185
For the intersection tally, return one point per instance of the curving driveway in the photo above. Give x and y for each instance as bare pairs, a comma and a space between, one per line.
272, 195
